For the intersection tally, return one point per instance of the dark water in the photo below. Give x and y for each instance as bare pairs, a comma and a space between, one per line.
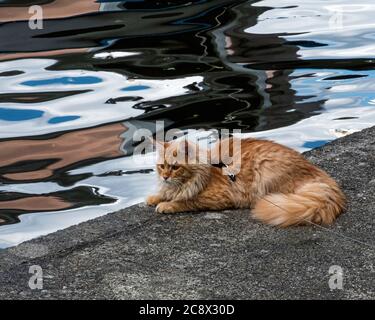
72, 93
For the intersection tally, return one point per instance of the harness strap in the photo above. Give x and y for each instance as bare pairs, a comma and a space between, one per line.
220, 165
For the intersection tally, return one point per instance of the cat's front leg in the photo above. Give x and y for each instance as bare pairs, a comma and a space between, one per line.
153, 200
172, 207
197, 204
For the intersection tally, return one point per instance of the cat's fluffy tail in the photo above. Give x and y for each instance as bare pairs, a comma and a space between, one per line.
314, 202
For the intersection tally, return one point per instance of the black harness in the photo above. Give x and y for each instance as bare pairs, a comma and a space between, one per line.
221, 165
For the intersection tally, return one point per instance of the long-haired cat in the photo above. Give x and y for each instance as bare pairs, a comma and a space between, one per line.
277, 183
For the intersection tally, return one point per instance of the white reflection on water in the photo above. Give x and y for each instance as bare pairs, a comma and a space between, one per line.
346, 28
90, 108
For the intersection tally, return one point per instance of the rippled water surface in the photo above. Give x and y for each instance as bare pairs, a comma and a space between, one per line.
73, 93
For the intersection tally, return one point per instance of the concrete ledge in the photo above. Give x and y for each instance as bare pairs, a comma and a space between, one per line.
136, 254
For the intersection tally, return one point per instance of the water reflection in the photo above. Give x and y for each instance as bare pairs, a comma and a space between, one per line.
73, 93
14, 204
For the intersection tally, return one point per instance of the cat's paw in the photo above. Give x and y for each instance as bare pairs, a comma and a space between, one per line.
167, 207
153, 200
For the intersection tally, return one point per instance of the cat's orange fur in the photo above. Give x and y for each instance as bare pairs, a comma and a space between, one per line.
277, 183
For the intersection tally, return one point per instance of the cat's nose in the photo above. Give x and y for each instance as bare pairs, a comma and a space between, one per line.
165, 178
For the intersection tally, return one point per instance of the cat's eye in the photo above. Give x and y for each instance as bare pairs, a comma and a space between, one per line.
162, 166
175, 167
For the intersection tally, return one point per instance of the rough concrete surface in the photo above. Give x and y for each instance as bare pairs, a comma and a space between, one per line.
137, 254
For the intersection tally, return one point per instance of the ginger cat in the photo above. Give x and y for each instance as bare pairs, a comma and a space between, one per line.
277, 183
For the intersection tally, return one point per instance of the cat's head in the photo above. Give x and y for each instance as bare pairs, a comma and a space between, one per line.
174, 164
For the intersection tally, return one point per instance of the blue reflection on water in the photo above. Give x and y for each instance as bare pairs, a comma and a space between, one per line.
63, 80
330, 84
135, 88
314, 144
19, 114
62, 119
